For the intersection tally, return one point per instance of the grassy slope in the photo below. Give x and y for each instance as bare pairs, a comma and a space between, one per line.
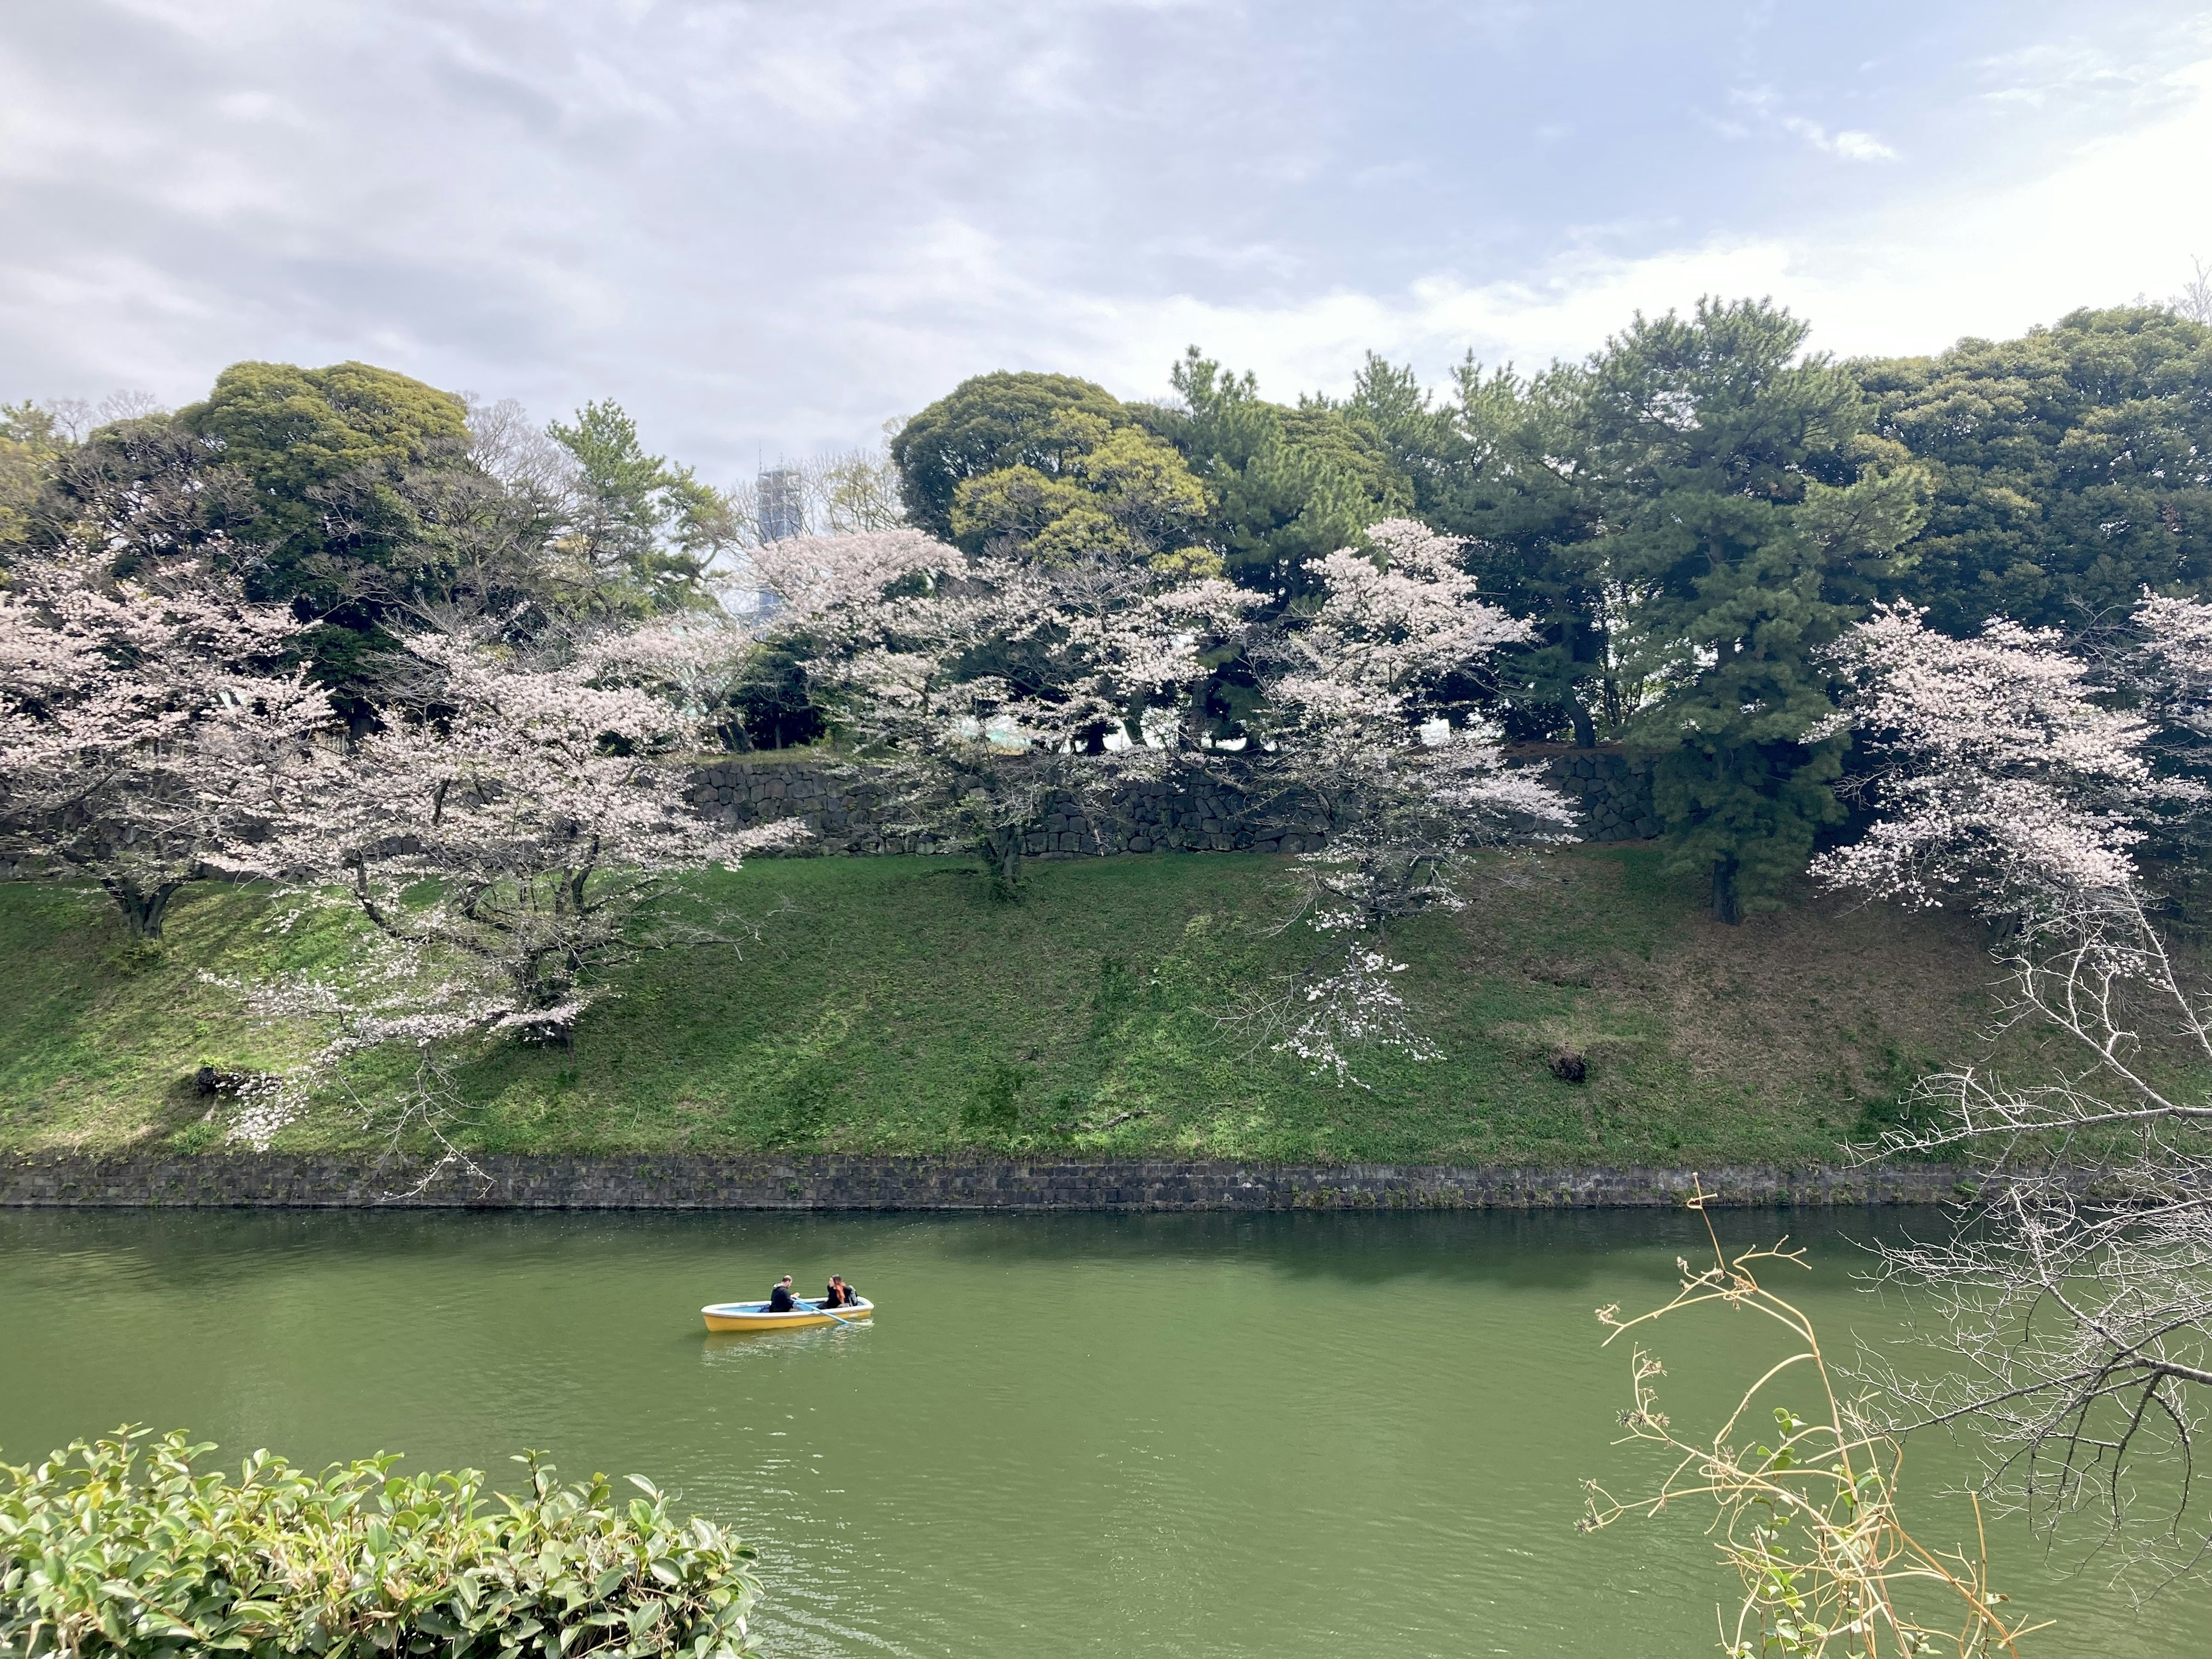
891, 1006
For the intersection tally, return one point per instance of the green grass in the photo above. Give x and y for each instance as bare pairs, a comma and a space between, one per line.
889, 1005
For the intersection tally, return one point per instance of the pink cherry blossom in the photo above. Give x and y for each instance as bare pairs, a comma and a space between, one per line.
152, 727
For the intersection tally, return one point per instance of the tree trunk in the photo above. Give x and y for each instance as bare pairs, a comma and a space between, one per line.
142, 911
1585, 733
1724, 905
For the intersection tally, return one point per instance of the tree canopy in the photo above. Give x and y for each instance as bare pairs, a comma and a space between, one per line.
2072, 467
1289, 485
1119, 493
364, 498
29, 443
991, 423
641, 532
1728, 464
325, 450
1684, 520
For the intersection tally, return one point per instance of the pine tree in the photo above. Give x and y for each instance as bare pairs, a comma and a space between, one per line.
1747, 516
1290, 485
641, 533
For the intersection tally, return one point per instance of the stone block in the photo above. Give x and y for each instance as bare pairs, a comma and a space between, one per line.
833, 1182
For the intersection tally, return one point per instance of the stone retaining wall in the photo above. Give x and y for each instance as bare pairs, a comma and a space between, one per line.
830, 1182
1612, 788
848, 814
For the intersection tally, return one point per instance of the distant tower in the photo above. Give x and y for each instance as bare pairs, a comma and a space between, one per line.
782, 504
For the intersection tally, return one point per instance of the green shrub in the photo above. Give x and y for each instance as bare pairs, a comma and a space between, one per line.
114, 1548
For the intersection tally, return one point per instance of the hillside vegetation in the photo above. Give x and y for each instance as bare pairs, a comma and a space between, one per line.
889, 1005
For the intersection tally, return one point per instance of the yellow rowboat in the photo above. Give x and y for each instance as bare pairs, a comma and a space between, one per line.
755, 1316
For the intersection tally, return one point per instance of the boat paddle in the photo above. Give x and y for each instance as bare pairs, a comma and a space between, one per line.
840, 1318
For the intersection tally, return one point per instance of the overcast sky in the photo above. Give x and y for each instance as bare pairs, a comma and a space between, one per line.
768, 225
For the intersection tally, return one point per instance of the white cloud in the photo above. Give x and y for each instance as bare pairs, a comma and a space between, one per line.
1850, 146
1861, 146
2097, 229
765, 225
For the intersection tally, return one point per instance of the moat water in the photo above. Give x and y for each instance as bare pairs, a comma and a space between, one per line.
1233, 1437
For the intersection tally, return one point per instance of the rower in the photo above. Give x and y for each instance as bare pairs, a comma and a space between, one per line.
779, 1299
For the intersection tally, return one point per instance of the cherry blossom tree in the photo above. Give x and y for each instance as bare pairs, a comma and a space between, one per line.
1367, 718
2001, 783
150, 726
516, 814
515, 829
806, 576
2076, 1294
980, 692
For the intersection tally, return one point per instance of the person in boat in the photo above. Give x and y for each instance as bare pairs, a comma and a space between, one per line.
840, 1294
780, 1299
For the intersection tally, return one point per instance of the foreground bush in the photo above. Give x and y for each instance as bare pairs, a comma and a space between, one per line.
118, 1547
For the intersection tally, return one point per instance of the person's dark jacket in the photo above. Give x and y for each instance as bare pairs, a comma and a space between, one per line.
779, 1300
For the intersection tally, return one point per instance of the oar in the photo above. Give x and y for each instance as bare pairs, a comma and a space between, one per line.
840, 1318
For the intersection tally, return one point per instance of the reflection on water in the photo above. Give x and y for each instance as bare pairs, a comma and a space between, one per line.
773, 1347
1181, 1435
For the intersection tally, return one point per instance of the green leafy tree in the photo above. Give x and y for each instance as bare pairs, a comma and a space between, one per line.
326, 449
991, 423
1745, 517
323, 454
640, 533
362, 540
1536, 518
1119, 494
30, 444
372, 503
2072, 467
1290, 485
1498, 464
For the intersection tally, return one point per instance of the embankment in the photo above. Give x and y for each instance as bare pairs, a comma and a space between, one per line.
662, 1183
1127, 1010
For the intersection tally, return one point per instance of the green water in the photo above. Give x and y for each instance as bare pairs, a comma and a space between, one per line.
1276, 1436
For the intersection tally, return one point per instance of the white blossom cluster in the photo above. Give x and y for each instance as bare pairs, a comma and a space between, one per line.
1353, 1004
148, 725
980, 691
1996, 775
2077, 1295
513, 816
807, 576
1409, 784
